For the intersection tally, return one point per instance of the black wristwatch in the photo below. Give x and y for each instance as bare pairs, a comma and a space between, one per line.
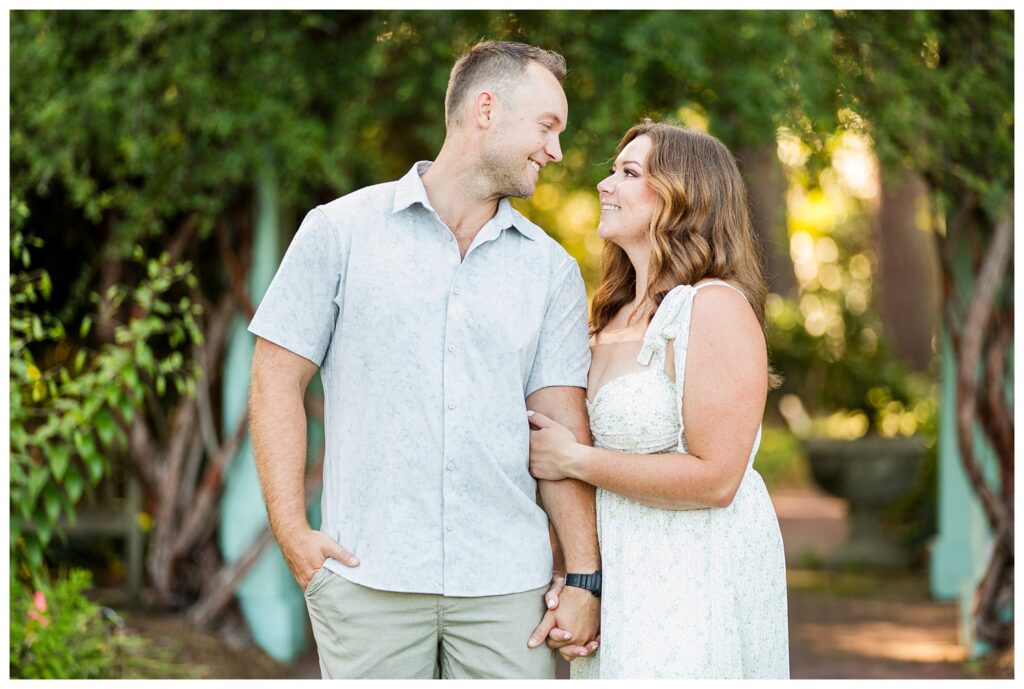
590, 582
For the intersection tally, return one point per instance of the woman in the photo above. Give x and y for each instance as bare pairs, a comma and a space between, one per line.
694, 580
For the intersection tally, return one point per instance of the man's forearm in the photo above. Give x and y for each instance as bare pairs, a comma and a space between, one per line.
278, 423
569, 503
570, 507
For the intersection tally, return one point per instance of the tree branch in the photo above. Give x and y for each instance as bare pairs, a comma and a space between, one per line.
210, 352
221, 592
222, 589
990, 597
182, 239
201, 511
143, 453
978, 315
236, 271
996, 419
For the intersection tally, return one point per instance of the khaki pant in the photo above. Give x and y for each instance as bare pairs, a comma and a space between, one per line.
365, 633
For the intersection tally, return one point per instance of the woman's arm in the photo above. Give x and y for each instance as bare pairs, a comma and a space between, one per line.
726, 383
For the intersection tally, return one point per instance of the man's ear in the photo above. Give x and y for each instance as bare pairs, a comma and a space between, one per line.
484, 107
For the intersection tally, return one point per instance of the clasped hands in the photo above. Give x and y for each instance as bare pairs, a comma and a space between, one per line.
572, 621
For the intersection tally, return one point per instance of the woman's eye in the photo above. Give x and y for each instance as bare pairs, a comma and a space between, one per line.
630, 173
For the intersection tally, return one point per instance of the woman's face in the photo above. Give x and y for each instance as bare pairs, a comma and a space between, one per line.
627, 203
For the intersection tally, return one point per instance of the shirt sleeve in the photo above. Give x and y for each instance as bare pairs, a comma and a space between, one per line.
299, 312
563, 349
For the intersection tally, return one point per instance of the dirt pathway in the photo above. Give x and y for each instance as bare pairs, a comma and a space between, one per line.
881, 625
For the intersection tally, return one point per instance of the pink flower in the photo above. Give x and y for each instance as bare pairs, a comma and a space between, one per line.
39, 600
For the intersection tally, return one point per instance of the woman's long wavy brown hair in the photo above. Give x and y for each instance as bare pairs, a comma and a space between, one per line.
700, 228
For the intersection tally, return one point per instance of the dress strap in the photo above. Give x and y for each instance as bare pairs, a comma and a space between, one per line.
672, 322
724, 284
665, 325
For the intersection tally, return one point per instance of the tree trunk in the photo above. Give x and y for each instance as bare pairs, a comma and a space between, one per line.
766, 189
908, 270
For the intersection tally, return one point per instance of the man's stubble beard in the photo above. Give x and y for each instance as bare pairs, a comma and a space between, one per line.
504, 177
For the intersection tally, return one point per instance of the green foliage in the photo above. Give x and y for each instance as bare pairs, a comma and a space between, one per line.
781, 460
58, 633
935, 92
913, 518
70, 405
111, 110
852, 377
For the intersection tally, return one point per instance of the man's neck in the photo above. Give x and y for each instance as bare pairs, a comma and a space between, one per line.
456, 194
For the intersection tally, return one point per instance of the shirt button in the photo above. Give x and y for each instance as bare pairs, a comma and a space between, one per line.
456, 291
451, 466
448, 528
451, 405
451, 238
451, 348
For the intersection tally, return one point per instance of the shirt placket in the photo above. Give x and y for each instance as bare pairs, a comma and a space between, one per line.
454, 379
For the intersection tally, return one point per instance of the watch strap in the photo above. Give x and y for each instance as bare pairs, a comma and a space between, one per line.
590, 582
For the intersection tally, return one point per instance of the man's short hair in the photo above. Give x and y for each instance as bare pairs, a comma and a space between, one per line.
497, 64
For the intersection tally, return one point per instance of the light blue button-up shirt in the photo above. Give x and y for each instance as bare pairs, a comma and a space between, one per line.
426, 362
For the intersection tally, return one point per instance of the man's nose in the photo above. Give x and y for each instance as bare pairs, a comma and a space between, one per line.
554, 150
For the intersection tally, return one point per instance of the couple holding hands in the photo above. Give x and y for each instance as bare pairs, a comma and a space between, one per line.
462, 382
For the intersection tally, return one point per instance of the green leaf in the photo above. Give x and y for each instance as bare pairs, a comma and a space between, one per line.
84, 443
60, 458
69, 512
96, 466
25, 507
33, 552
44, 530
52, 502
127, 411
83, 330
105, 425
74, 485
37, 479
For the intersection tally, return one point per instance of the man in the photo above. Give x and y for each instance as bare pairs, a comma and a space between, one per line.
437, 315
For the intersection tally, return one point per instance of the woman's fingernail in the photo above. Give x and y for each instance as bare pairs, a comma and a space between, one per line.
551, 602
583, 652
529, 413
532, 642
566, 635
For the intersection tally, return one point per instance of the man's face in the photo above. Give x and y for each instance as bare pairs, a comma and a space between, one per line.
524, 136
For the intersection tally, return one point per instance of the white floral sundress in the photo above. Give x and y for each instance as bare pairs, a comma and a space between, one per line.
686, 593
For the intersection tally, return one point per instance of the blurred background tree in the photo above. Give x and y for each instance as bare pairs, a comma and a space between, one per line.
867, 139
933, 89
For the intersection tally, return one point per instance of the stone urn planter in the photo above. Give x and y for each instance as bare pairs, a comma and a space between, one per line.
870, 473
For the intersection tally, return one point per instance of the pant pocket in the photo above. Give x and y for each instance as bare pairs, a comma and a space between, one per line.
317, 581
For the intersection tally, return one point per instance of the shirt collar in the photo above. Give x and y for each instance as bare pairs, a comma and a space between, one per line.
409, 190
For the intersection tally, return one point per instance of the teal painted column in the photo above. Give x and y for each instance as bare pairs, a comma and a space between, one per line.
270, 599
953, 551
963, 546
